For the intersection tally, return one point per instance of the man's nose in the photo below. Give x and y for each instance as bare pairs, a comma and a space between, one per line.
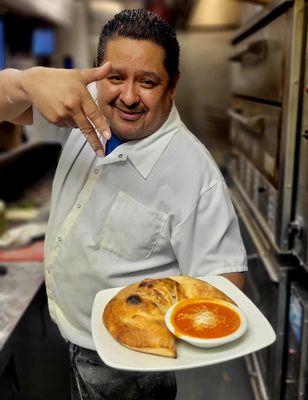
129, 94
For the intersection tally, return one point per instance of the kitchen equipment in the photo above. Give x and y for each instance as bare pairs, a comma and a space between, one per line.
267, 285
268, 185
266, 69
299, 225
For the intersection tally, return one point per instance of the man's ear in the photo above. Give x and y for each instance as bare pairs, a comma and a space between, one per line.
173, 84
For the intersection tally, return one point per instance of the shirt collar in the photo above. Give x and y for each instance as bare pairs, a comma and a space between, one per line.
144, 153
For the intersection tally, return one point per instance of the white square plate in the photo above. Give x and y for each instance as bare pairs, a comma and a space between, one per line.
258, 335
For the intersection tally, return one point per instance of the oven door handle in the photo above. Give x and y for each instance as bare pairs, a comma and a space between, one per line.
255, 124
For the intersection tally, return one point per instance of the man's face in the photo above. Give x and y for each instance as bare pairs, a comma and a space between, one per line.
135, 97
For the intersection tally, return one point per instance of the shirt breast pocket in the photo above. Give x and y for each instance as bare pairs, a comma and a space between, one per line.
131, 229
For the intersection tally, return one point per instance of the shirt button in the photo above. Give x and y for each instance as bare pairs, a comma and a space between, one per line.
59, 239
120, 155
96, 171
78, 205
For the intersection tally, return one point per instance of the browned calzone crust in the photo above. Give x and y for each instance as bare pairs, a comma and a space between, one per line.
135, 316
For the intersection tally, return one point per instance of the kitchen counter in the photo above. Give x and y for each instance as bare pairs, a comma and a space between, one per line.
17, 289
34, 359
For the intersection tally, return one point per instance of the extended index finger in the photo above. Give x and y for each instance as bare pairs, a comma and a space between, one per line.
93, 113
88, 131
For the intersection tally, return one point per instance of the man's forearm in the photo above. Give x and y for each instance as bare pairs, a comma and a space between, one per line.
13, 99
61, 96
237, 278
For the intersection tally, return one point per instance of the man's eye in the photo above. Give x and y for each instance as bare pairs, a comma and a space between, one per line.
115, 78
148, 84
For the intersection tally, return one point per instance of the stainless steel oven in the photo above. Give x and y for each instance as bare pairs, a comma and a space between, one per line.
269, 131
300, 222
266, 72
268, 286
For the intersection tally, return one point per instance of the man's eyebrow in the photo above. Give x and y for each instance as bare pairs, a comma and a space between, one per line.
139, 73
116, 71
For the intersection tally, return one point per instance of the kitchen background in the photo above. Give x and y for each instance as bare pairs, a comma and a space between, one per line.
244, 92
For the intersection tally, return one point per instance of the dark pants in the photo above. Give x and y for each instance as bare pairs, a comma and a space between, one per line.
94, 380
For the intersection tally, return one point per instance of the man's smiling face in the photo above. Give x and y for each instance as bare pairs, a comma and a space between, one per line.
135, 97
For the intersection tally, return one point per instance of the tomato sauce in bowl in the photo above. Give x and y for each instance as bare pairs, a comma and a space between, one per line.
206, 323
205, 319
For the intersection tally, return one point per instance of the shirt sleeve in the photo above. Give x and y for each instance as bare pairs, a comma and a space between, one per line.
208, 241
43, 131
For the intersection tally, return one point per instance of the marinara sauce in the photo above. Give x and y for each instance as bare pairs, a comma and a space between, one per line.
205, 319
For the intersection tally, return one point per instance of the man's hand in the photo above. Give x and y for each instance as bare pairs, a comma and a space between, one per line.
61, 96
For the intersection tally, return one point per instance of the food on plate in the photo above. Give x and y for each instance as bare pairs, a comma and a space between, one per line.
135, 316
204, 319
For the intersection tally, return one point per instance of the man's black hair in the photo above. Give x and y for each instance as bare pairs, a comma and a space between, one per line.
141, 24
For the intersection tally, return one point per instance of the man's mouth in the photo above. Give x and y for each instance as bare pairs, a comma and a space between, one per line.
129, 115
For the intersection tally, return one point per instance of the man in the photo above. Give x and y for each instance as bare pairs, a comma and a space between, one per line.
156, 205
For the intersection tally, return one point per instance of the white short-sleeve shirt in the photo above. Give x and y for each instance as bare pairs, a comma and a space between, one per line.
153, 207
